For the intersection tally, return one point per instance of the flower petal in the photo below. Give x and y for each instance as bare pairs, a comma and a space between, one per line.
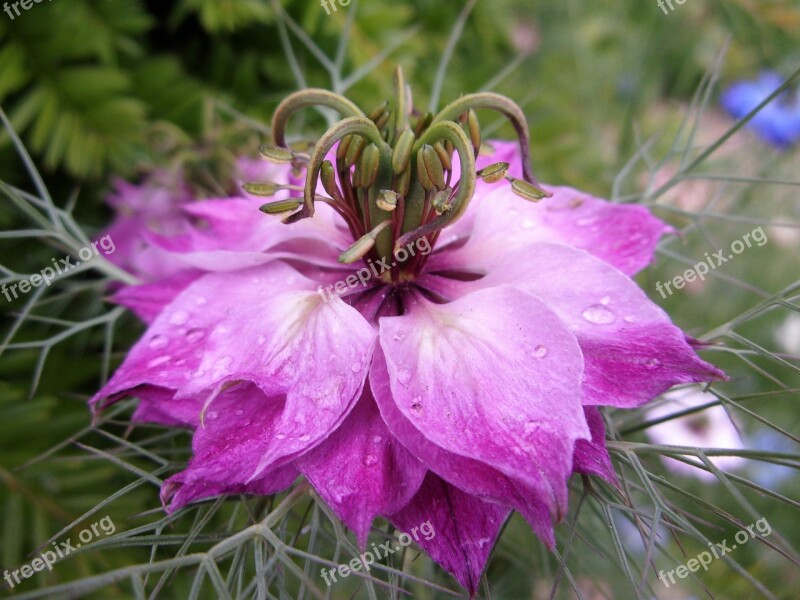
631, 349
467, 474
464, 529
493, 376
149, 299
591, 456
623, 235
361, 470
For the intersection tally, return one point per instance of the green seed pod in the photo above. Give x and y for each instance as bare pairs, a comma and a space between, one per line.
422, 170
344, 146
401, 155
381, 123
281, 206
378, 111
275, 154
433, 166
261, 188
403, 183
474, 130
370, 162
494, 173
327, 175
354, 151
528, 191
441, 152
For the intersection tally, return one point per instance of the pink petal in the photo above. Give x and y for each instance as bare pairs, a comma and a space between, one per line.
361, 470
591, 456
464, 528
631, 349
149, 299
624, 236
493, 376
467, 474
159, 406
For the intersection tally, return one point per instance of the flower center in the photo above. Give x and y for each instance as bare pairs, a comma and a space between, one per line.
392, 177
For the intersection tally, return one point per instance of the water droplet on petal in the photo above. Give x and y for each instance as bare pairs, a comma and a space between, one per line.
403, 376
195, 335
356, 368
212, 414
262, 340
399, 336
540, 351
370, 460
528, 224
179, 318
305, 438
200, 300
599, 315
652, 363
416, 405
605, 300
157, 362
630, 319
586, 221
158, 341
482, 542
377, 439
239, 412
280, 436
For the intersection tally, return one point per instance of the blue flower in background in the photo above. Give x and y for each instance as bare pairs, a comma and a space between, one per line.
779, 121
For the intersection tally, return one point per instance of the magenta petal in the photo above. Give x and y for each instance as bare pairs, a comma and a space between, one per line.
472, 476
177, 493
493, 376
464, 528
632, 351
148, 300
361, 471
159, 406
591, 456
622, 235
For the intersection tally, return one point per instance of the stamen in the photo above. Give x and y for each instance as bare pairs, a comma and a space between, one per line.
363, 245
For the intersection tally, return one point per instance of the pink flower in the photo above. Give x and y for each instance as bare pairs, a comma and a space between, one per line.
454, 386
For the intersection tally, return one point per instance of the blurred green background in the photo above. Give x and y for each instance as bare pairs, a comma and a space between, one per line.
621, 99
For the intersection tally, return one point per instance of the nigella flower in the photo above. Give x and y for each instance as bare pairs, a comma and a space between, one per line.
779, 121
455, 372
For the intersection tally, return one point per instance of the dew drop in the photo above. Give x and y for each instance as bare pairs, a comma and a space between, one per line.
179, 318
599, 315
399, 336
201, 300
416, 405
158, 342
355, 368
280, 436
586, 221
540, 351
370, 460
605, 300
212, 414
239, 412
652, 363
195, 335
630, 319
305, 438
377, 439
403, 376
528, 224
246, 422
262, 340
157, 362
